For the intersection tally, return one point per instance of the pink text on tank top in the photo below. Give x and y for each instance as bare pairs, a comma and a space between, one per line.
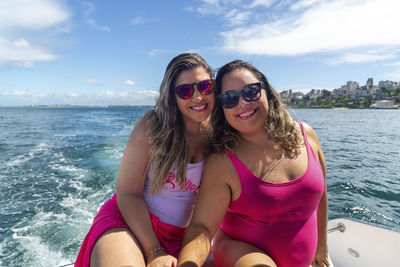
170, 182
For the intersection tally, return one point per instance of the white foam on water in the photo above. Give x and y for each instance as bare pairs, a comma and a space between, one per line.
65, 168
81, 212
115, 152
41, 148
372, 213
40, 254
126, 130
80, 208
1, 253
38, 237
78, 184
76, 174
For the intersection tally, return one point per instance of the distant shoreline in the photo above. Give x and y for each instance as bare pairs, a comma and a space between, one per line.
55, 106
67, 106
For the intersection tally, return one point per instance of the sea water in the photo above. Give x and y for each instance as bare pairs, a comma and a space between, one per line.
58, 166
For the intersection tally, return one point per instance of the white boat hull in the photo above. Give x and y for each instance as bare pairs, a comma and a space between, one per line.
363, 245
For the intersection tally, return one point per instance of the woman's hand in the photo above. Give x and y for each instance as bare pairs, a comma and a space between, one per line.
161, 259
321, 257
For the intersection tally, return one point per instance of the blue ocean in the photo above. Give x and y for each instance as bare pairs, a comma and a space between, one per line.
58, 165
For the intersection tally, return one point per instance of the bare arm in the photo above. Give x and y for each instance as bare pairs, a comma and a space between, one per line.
321, 255
129, 188
213, 200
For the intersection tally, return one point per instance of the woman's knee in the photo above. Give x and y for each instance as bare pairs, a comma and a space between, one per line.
240, 254
117, 247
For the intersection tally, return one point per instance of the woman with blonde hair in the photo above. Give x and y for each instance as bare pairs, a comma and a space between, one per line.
144, 222
263, 191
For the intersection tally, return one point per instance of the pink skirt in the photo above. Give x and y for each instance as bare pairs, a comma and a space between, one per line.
109, 217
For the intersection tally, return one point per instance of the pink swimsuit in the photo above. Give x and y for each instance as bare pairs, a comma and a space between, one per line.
279, 218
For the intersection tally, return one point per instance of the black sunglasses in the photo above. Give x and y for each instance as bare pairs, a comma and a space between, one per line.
250, 92
186, 91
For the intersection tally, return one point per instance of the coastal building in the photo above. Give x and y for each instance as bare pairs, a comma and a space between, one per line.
315, 93
353, 92
370, 83
285, 96
288, 95
352, 88
386, 84
379, 93
297, 95
339, 92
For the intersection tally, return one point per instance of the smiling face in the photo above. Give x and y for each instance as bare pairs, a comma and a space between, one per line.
198, 107
246, 117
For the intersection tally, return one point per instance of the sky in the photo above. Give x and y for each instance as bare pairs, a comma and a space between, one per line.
115, 52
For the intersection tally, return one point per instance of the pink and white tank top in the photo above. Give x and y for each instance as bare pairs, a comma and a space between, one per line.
174, 205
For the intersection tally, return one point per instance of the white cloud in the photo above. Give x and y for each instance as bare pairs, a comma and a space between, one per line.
217, 7
211, 2
323, 26
129, 82
94, 82
21, 52
189, 9
137, 21
38, 14
21, 42
149, 93
395, 74
16, 93
360, 58
22, 18
106, 97
397, 64
263, 3
26, 63
96, 26
88, 9
143, 20
237, 17
155, 51
303, 4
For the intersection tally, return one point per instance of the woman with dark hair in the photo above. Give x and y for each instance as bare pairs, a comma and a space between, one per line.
263, 191
144, 222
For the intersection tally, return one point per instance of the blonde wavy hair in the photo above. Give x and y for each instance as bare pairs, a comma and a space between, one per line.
165, 126
279, 125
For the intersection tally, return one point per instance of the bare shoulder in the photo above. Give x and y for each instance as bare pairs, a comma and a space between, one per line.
218, 162
314, 143
139, 132
309, 131
141, 124
137, 148
219, 170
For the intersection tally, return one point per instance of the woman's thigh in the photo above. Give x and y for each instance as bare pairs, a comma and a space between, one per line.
117, 247
231, 252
